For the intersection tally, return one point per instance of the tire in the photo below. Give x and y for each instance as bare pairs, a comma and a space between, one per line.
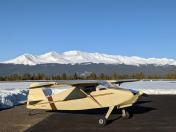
102, 122
126, 115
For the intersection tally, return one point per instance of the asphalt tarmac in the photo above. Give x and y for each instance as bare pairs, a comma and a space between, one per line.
151, 114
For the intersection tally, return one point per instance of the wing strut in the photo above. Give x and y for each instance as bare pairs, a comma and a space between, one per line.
90, 96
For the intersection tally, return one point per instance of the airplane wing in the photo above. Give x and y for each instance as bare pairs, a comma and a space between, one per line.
92, 82
78, 83
39, 85
122, 81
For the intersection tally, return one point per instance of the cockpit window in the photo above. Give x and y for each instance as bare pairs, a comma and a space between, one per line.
89, 89
101, 87
47, 91
106, 84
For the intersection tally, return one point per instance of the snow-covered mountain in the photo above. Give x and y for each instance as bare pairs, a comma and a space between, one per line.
76, 57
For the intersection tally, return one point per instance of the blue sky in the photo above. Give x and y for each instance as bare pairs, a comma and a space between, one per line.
145, 28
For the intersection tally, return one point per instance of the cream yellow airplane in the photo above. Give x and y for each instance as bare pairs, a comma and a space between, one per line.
82, 95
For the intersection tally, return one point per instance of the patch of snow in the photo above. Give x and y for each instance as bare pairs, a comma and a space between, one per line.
152, 87
11, 98
13, 93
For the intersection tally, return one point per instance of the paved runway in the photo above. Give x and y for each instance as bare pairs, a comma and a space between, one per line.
155, 113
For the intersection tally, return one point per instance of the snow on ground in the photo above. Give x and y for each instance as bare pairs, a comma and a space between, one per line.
152, 87
14, 93
11, 98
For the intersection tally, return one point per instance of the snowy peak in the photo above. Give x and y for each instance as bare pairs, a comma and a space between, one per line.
72, 53
26, 59
77, 57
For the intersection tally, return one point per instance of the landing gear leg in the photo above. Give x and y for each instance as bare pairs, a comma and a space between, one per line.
125, 114
102, 121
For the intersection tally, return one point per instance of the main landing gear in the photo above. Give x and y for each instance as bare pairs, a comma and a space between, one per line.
103, 120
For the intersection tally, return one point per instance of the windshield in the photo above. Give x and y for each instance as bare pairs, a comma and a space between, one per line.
106, 84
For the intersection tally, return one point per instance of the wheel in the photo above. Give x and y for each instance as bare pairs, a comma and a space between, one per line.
102, 122
125, 115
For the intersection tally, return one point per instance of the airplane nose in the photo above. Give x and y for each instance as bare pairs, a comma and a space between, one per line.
145, 95
133, 91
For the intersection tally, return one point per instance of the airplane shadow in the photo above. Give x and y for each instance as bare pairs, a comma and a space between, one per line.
143, 102
138, 109
134, 110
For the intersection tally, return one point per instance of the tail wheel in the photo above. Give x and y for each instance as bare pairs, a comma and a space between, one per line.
102, 122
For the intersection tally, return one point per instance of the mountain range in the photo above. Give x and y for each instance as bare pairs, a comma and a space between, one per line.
69, 62
78, 57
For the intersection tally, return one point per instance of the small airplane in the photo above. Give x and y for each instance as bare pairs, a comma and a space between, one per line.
82, 95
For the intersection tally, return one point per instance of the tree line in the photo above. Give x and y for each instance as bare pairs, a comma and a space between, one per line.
91, 76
